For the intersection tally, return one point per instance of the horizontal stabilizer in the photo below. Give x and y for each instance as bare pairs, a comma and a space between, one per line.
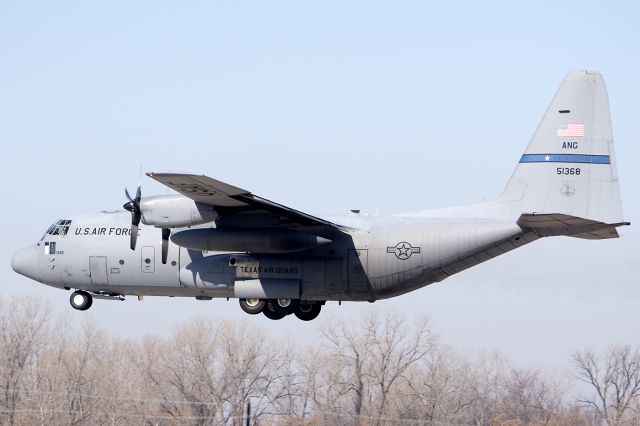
553, 224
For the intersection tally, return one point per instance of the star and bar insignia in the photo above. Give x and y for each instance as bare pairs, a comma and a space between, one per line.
403, 250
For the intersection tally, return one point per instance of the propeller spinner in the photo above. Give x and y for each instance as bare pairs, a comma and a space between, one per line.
134, 207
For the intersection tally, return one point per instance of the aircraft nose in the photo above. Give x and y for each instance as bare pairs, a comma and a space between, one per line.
25, 262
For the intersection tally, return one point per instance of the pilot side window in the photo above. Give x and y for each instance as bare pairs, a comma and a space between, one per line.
50, 247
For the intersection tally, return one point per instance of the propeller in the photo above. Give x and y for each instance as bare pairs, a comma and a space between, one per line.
134, 207
166, 233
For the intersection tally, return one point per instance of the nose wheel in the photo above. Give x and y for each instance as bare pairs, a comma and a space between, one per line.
80, 300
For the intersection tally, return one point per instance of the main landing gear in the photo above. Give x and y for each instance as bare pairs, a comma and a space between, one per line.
276, 309
81, 300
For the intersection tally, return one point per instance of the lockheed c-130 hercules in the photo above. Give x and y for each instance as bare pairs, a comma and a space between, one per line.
214, 240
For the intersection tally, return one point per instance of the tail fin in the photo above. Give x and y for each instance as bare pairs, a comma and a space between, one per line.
569, 166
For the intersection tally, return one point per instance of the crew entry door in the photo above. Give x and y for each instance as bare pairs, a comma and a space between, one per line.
98, 270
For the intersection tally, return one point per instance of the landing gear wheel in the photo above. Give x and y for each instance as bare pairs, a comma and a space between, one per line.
80, 300
285, 306
270, 312
308, 311
252, 306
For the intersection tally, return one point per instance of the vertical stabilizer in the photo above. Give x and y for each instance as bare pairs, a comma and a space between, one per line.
569, 166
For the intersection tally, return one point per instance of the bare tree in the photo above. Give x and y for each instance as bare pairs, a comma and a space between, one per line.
488, 370
350, 355
395, 349
303, 384
380, 369
615, 381
46, 378
253, 368
372, 356
439, 388
529, 396
181, 372
206, 372
85, 364
22, 321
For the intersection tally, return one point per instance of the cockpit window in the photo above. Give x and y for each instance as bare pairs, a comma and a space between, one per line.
61, 227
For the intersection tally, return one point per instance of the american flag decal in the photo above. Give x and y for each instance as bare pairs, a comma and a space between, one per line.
571, 130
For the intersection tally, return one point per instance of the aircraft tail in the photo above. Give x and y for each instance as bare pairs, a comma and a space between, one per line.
569, 167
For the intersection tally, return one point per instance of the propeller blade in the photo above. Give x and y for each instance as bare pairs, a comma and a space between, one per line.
134, 236
166, 232
135, 221
134, 207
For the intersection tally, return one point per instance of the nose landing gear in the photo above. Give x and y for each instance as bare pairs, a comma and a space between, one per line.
80, 300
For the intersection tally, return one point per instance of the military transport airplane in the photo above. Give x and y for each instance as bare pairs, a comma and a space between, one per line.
214, 240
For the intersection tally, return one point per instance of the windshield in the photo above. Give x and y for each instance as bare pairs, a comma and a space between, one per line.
61, 227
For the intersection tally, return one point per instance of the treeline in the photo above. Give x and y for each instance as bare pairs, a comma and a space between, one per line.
381, 370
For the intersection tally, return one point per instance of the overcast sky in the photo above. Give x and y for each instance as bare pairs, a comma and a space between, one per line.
324, 106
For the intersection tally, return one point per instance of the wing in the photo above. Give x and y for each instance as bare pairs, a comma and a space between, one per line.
236, 206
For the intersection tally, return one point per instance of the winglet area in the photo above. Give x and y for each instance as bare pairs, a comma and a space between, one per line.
201, 189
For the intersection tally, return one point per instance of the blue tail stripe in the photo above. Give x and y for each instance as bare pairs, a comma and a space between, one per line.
565, 158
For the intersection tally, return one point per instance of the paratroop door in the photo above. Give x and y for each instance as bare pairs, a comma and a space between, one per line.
357, 264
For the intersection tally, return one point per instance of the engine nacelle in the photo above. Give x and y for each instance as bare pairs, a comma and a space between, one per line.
256, 240
172, 211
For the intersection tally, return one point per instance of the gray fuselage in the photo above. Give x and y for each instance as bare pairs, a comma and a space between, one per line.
377, 258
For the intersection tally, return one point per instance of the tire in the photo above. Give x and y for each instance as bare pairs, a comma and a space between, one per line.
270, 312
252, 306
308, 311
80, 300
285, 306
